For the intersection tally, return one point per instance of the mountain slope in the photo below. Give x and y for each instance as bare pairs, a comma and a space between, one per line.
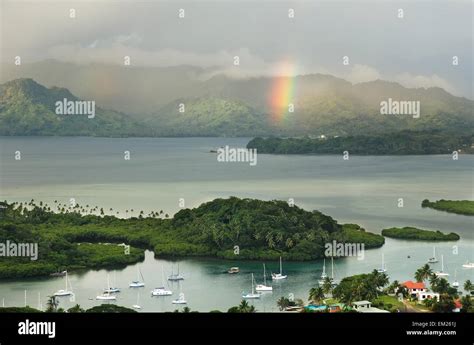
209, 116
28, 108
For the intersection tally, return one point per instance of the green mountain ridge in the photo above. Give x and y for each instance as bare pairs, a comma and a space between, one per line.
221, 106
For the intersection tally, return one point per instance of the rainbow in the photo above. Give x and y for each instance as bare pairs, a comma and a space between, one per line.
281, 92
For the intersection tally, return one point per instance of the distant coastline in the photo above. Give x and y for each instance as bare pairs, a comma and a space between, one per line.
398, 143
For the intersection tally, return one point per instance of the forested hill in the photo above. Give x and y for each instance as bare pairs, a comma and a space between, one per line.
398, 143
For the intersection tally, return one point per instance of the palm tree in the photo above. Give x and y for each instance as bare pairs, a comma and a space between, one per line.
423, 273
468, 286
282, 303
52, 304
327, 285
245, 307
316, 294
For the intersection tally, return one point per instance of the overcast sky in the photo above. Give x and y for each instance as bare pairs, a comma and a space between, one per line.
416, 51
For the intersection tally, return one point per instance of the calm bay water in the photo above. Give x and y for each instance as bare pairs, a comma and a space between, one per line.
362, 190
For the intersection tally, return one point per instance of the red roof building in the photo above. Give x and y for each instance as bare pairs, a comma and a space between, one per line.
414, 287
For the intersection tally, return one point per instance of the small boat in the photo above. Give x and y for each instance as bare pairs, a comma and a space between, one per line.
468, 264
137, 283
106, 296
175, 276
455, 284
58, 274
161, 291
233, 270
433, 259
65, 292
180, 300
251, 295
264, 287
442, 273
110, 289
137, 306
279, 276
382, 269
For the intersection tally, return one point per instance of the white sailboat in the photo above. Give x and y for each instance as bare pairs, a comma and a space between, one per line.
324, 274
382, 269
333, 280
65, 292
106, 295
442, 273
137, 306
468, 264
175, 276
433, 259
279, 276
137, 283
161, 291
251, 295
264, 286
455, 284
112, 289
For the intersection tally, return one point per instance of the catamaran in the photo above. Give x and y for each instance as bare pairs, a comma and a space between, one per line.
382, 269
468, 264
137, 283
442, 273
65, 292
279, 276
175, 277
323, 275
264, 287
161, 291
433, 259
251, 295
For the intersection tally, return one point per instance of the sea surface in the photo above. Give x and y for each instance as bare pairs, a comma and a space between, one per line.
163, 172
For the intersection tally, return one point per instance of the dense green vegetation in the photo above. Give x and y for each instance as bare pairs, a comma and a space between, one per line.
252, 229
230, 228
28, 108
56, 251
103, 308
376, 288
209, 116
465, 207
396, 143
219, 106
409, 233
360, 287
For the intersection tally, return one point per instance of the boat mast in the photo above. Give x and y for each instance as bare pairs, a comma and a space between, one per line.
281, 271
264, 276
332, 267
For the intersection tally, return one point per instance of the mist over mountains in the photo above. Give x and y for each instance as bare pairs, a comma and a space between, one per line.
146, 101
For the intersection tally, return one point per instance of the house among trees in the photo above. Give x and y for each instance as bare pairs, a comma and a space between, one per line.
419, 291
366, 307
